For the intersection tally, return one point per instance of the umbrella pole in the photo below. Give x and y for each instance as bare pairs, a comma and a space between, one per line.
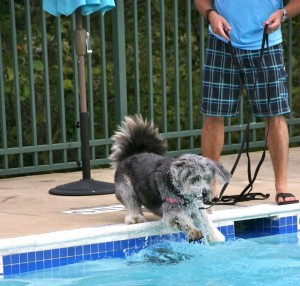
86, 186
80, 45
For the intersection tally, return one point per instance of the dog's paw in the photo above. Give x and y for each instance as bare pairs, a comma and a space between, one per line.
194, 234
133, 219
216, 236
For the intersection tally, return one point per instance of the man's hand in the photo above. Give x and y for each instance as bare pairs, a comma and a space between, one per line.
219, 24
274, 21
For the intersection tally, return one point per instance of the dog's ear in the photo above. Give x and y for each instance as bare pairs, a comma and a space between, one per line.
178, 163
221, 174
176, 168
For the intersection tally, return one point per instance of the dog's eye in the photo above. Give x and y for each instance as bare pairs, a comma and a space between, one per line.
195, 179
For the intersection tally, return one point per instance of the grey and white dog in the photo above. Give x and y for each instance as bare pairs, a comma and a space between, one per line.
175, 189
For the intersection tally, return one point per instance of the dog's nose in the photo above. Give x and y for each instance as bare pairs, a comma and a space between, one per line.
205, 196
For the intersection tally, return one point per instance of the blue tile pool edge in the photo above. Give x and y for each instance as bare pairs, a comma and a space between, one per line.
116, 241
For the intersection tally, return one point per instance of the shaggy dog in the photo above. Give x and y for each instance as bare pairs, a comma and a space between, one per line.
175, 189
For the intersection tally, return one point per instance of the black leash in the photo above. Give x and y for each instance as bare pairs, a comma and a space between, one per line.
245, 195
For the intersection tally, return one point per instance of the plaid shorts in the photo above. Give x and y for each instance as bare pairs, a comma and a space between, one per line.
222, 80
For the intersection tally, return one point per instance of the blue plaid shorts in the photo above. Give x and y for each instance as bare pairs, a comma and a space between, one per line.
221, 92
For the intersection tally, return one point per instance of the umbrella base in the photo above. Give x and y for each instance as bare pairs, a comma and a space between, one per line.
84, 187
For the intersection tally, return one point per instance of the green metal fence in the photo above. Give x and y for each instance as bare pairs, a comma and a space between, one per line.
147, 58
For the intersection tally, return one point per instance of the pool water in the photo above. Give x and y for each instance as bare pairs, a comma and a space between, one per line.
269, 260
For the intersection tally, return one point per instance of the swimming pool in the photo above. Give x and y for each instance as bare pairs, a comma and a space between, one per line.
51, 252
270, 260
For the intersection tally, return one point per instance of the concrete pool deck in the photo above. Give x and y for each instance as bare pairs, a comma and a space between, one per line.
27, 208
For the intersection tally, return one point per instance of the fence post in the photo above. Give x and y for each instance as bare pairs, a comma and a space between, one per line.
118, 24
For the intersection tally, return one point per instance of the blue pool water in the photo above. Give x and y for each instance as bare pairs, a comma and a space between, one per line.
271, 260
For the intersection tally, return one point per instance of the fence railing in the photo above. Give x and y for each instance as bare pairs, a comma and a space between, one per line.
147, 58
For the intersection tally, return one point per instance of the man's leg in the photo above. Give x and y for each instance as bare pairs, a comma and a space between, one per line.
212, 139
278, 144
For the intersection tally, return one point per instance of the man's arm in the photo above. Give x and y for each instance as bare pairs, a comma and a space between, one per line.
292, 8
203, 6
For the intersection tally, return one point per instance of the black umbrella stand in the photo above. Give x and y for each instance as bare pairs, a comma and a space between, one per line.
86, 186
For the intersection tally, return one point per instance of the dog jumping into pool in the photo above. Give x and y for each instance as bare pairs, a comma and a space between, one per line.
176, 189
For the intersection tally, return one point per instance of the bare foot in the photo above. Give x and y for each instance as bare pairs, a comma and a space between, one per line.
216, 193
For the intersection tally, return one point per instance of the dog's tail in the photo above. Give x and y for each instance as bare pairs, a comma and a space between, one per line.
136, 135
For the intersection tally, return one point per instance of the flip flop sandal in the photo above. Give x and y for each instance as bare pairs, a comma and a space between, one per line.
284, 196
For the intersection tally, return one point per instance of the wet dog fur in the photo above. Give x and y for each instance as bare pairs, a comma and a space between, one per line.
176, 189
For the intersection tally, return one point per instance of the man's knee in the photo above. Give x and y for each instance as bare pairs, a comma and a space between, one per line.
275, 121
211, 120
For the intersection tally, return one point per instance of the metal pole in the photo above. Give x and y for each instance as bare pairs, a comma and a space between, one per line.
80, 46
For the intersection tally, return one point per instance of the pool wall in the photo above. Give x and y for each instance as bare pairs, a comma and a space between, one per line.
31, 253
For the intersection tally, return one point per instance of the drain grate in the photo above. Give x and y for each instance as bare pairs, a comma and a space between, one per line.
97, 210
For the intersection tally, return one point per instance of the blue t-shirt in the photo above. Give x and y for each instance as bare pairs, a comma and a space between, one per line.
246, 18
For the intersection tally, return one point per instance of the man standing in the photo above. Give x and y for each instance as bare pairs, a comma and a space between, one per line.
244, 21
